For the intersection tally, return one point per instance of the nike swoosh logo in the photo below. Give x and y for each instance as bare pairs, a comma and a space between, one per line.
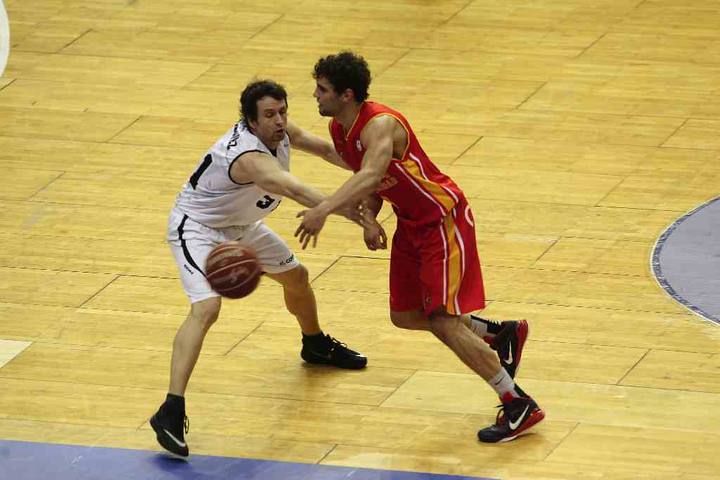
516, 423
179, 443
325, 356
509, 358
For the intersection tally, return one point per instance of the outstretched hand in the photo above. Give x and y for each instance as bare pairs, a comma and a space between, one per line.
313, 221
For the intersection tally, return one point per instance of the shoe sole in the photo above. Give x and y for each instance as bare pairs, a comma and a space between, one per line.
159, 435
323, 361
175, 455
535, 417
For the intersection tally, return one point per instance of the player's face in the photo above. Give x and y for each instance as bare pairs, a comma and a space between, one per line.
329, 103
271, 122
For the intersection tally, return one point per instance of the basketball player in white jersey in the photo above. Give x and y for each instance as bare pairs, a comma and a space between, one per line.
240, 180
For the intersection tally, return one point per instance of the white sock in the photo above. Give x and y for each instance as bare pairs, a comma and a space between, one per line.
478, 328
481, 327
502, 383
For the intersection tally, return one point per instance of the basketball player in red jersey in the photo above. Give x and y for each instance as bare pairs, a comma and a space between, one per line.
435, 276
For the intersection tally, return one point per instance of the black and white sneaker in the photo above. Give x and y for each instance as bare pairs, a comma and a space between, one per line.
516, 416
329, 351
170, 431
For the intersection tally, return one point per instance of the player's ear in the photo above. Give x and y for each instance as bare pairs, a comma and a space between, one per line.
347, 95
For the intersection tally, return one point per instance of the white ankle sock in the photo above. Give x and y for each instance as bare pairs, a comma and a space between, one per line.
502, 383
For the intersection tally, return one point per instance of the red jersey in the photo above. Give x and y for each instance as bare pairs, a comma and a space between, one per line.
418, 191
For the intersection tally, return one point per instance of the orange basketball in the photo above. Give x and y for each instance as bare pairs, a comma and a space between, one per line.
233, 270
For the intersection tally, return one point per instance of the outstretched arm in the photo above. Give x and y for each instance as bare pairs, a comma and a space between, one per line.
377, 136
309, 143
265, 172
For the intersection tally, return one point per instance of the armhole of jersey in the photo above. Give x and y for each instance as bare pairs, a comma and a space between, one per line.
407, 132
235, 160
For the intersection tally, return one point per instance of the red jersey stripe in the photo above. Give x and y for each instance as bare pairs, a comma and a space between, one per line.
414, 168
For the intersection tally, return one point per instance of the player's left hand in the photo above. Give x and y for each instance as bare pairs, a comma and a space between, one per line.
313, 221
375, 237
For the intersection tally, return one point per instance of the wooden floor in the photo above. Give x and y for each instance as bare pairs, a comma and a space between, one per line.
579, 131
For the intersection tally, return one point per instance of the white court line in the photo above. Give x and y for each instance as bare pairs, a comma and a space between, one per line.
4, 38
10, 349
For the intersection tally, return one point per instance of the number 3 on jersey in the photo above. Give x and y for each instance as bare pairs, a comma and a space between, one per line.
265, 202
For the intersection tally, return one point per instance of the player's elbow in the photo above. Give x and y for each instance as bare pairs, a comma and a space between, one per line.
331, 156
373, 179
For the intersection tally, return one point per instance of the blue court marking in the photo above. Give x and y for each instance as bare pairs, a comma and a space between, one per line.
657, 261
34, 461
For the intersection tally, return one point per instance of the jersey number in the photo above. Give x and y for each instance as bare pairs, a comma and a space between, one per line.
265, 202
200, 170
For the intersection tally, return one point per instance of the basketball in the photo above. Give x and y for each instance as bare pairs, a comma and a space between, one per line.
233, 270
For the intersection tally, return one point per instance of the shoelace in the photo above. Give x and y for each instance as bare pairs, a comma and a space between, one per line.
500, 418
334, 343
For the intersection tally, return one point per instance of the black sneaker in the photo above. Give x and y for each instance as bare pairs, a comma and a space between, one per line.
329, 351
509, 343
515, 417
170, 431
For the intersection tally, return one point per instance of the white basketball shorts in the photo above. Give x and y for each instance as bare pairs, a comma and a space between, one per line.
192, 242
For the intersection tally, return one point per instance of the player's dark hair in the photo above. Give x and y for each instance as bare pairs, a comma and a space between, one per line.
345, 70
254, 92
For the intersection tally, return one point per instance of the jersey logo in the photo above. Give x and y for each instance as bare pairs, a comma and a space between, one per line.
358, 145
288, 260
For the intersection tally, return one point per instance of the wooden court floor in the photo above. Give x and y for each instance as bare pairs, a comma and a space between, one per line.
579, 131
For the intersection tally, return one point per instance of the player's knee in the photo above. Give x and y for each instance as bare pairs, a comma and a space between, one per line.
444, 326
206, 312
298, 278
401, 320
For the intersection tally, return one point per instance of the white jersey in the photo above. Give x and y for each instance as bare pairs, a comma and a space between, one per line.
211, 198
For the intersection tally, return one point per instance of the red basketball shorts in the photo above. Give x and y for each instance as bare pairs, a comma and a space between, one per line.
437, 265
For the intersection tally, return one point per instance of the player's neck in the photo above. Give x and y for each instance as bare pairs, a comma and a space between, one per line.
348, 116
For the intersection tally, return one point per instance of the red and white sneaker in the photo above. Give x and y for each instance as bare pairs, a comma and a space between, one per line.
509, 343
516, 416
